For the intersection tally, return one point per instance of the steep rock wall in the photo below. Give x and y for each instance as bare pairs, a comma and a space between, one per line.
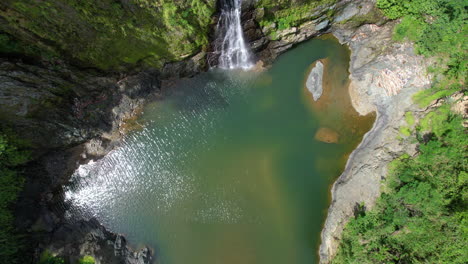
108, 34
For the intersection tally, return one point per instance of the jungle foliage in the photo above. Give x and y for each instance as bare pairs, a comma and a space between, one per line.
421, 216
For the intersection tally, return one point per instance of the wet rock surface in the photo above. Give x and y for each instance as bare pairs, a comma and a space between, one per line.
91, 238
58, 106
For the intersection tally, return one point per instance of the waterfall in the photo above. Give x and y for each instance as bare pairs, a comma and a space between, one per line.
229, 43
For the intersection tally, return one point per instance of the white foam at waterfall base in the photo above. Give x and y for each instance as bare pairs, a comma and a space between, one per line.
230, 43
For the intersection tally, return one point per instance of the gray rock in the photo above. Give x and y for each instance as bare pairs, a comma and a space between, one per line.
259, 13
348, 12
314, 80
258, 44
186, 68
282, 49
286, 32
74, 240
269, 28
249, 24
322, 25
119, 245
252, 34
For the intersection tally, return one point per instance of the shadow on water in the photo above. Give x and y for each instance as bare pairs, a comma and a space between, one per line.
227, 169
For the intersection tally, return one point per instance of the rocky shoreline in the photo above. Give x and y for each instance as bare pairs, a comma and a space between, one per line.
82, 118
384, 75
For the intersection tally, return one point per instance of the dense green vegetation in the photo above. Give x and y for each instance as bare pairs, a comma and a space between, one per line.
421, 216
288, 13
106, 34
11, 183
48, 258
438, 28
87, 260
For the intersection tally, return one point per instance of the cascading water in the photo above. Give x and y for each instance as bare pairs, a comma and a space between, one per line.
229, 43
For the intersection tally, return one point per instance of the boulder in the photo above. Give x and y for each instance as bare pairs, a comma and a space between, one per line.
315, 80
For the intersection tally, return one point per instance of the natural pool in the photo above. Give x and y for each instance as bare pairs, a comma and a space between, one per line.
226, 168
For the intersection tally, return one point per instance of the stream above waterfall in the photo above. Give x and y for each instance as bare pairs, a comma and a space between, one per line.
227, 167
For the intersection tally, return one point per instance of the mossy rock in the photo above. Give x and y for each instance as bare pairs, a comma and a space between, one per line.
289, 13
107, 34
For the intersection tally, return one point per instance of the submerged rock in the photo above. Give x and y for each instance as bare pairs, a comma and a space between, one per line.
327, 135
315, 80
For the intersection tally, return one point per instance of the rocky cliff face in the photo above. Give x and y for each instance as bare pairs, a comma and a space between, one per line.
55, 106
70, 115
384, 76
90, 238
272, 28
56, 110
116, 54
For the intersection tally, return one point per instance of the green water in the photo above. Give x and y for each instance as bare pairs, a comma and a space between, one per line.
226, 169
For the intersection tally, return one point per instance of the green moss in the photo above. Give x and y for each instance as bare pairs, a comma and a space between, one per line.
48, 258
410, 28
12, 156
372, 17
8, 44
87, 260
425, 97
273, 35
409, 118
108, 34
405, 131
435, 120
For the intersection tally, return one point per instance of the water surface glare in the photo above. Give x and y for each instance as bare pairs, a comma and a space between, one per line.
226, 169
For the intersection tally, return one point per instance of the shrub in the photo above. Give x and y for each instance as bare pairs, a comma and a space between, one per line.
87, 260
437, 27
48, 258
421, 216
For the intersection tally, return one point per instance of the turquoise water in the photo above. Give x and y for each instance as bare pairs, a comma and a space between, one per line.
226, 168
